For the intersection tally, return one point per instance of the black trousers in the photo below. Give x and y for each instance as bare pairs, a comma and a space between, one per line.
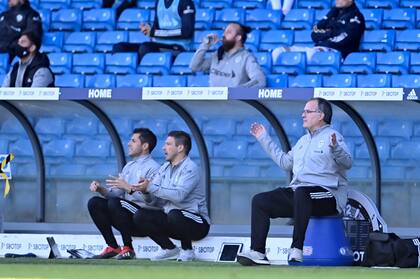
147, 47
177, 224
117, 213
300, 204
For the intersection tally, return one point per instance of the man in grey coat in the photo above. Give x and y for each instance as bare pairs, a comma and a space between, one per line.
319, 161
232, 65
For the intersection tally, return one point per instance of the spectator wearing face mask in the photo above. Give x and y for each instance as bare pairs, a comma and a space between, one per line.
33, 68
232, 65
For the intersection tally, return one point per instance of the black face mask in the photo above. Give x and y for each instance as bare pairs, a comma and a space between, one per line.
22, 52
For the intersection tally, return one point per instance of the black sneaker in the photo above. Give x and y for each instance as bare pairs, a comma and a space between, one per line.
126, 253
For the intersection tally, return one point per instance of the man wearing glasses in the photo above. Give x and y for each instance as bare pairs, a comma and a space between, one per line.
319, 161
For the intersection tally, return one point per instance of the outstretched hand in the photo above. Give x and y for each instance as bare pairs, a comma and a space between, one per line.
257, 130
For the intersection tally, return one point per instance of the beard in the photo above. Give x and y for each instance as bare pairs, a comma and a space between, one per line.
228, 44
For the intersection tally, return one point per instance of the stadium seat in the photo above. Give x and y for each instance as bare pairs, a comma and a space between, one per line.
395, 128
373, 18
52, 42
101, 169
384, 4
2, 76
46, 19
229, 149
382, 145
93, 148
98, 19
216, 4
181, 63
61, 63
324, 63
198, 81
263, 19
349, 128
298, 19
88, 63
418, 19
374, 81
378, 40
253, 40
158, 126
408, 40
146, 4
406, 81
21, 147
277, 81
275, 38
303, 38
4, 146
74, 81
249, 4
4, 63
392, 63
264, 60
10, 126
199, 35
399, 19
311, 81
359, 63
319, 14
310, 4
340, 80
410, 4
66, 20
204, 19
169, 81
223, 17
415, 63
155, 63
417, 129
136, 81
137, 37
130, 19
54, 4
50, 126
59, 148
293, 126
86, 4
80, 42
121, 63
106, 40
292, 63
406, 150
219, 127
82, 126
100, 81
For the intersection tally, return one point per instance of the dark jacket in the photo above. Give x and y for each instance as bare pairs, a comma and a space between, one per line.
344, 29
40, 61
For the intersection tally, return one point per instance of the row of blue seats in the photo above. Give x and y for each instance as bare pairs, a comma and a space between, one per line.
296, 19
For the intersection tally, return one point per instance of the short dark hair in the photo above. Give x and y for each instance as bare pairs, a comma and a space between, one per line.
243, 31
36, 40
325, 107
181, 138
146, 136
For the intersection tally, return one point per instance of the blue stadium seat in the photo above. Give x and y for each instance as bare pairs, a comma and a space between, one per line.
292, 63
82, 126
98, 19
2, 76
100, 81
181, 63
80, 42
229, 149
59, 148
418, 19
264, 60
373, 18
243, 171
277, 81
395, 128
74, 81
384, 4
155, 63
303, 38
324, 63
102, 169
415, 63
219, 127
170, 81
204, 19
263, 19
4, 63
46, 19
399, 19
223, 17
146, 4
392, 63
199, 35
136, 81
406, 81
417, 129
106, 40
310, 4
52, 42
88, 63
410, 4
130, 19
66, 169
305, 81
357, 172
383, 146
137, 37
340, 80
61, 63
54, 4
249, 4
66, 20
93, 148
293, 127
374, 81
408, 40
359, 63
86, 4
21, 147
10, 126
50, 126
406, 150
378, 40
275, 38
198, 81
349, 128
158, 126
216, 4
319, 14
121, 63
298, 19
4, 146
253, 40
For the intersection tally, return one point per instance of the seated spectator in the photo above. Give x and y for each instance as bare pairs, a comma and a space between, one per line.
285, 9
172, 29
177, 185
232, 65
340, 30
33, 68
18, 19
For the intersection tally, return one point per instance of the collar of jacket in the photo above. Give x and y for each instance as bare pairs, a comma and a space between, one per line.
319, 130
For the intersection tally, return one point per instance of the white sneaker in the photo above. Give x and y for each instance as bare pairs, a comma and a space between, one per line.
166, 254
252, 258
185, 255
295, 255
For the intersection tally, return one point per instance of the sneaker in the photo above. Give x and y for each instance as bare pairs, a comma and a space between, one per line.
166, 254
185, 255
107, 253
295, 255
126, 253
252, 258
